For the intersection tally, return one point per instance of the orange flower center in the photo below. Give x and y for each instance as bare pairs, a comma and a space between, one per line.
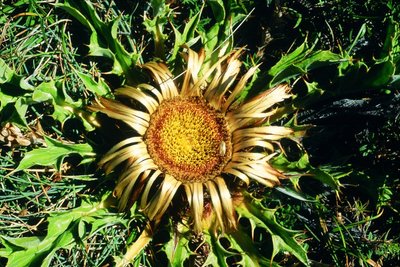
188, 139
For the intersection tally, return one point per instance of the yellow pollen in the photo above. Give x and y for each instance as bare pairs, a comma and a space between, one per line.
188, 139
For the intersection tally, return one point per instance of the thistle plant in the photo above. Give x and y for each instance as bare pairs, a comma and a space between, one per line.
171, 143
194, 138
191, 136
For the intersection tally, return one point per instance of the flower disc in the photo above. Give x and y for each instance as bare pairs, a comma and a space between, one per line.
188, 139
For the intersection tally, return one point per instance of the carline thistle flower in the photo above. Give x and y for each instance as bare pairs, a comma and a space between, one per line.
194, 137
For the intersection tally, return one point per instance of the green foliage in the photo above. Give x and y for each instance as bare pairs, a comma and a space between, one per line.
64, 106
344, 204
104, 38
177, 249
17, 95
303, 167
240, 250
187, 37
54, 154
155, 26
299, 62
100, 88
282, 239
13, 89
64, 231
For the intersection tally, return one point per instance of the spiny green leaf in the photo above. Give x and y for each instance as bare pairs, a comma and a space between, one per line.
325, 177
187, 37
37, 254
159, 7
283, 239
8, 75
300, 61
53, 153
103, 38
59, 224
302, 167
75, 13
155, 26
20, 259
241, 242
6, 99
62, 232
240, 245
282, 163
313, 89
360, 34
289, 192
14, 89
218, 39
391, 46
17, 112
177, 249
64, 106
218, 253
99, 88
380, 74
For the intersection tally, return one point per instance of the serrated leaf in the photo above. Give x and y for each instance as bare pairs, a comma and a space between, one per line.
99, 88
75, 13
177, 250
313, 88
155, 26
289, 192
218, 9
282, 163
380, 74
6, 72
53, 153
187, 37
241, 242
282, 239
64, 106
62, 232
103, 39
17, 112
217, 40
218, 254
303, 166
240, 245
20, 259
14, 92
8, 75
38, 253
300, 61
59, 224
81, 229
324, 177
6, 99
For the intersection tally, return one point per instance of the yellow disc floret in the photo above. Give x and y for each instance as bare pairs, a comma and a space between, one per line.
188, 139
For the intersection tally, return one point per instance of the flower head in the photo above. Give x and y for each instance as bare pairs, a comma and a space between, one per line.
196, 134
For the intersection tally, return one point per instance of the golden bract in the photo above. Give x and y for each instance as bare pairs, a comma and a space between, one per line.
193, 134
